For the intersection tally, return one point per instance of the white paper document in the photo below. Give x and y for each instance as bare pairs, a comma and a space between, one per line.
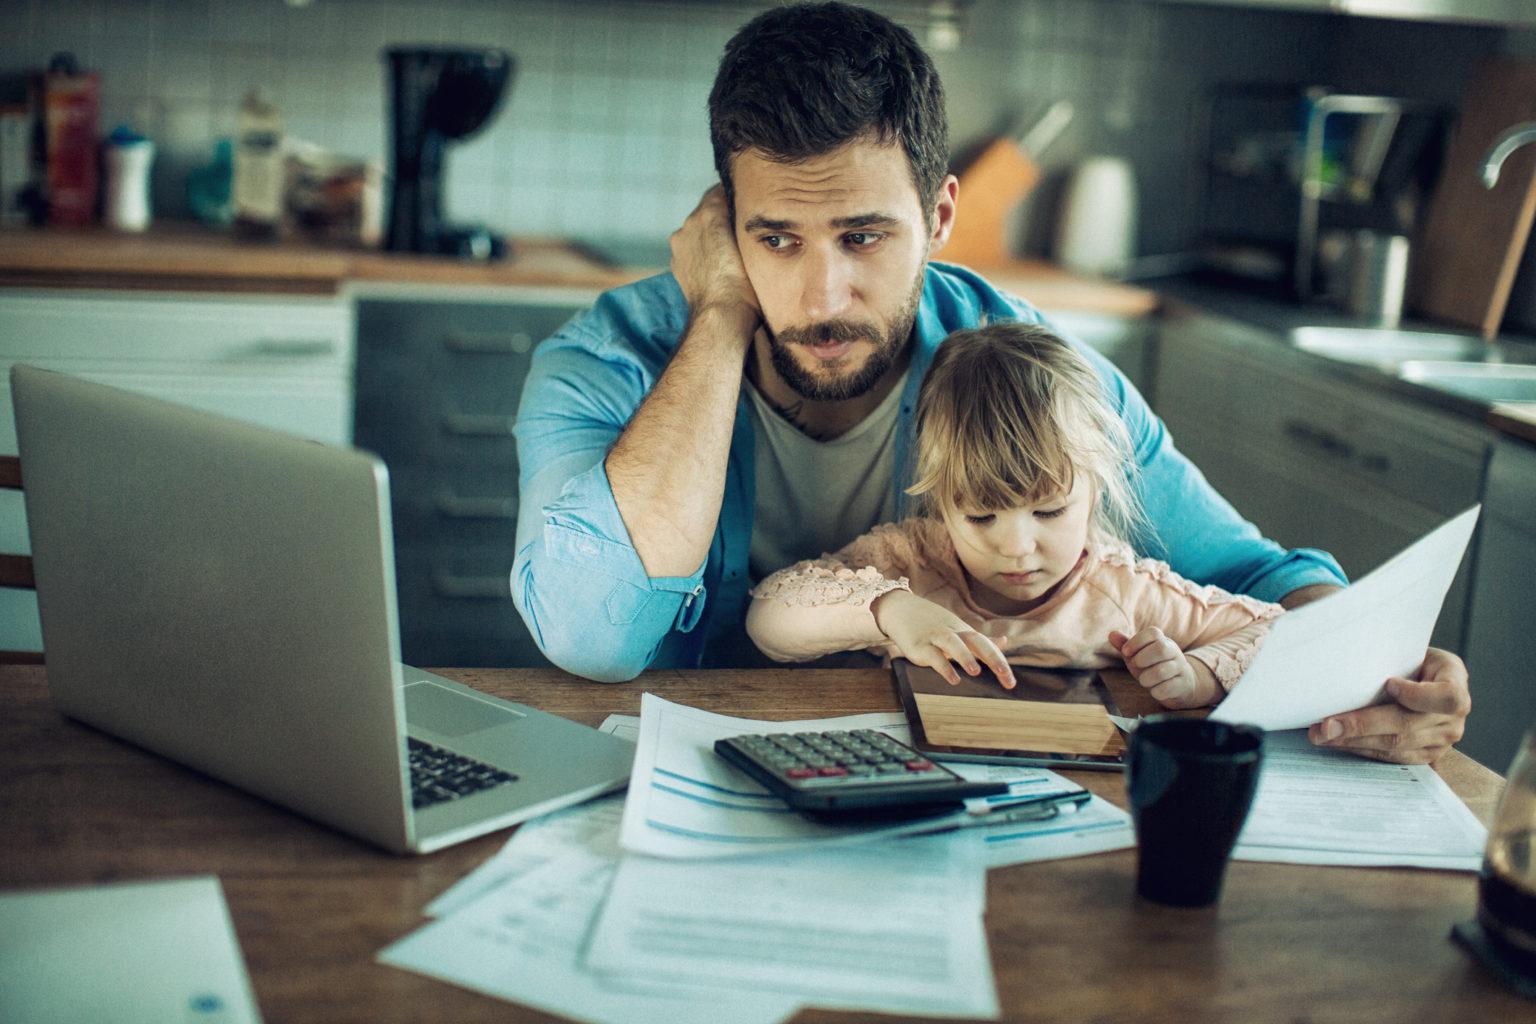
1336, 654
1317, 806
134, 952
684, 800
894, 927
521, 937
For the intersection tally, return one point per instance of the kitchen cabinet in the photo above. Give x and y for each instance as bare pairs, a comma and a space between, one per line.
1496, 12
438, 383
280, 361
1312, 460
1501, 645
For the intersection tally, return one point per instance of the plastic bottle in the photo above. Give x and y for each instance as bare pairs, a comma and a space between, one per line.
258, 177
128, 158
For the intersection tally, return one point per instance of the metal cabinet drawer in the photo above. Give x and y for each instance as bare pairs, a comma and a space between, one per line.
432, 504
438, 384
456, 609
417, 427
1275, 402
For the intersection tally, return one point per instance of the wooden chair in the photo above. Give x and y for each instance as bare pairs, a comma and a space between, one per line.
16, 570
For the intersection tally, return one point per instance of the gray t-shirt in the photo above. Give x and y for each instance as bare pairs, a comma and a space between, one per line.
815, 496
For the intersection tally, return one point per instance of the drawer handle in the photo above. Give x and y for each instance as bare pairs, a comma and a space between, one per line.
516, 343
458, 506
1324, 441
465, 424
475, 588
1376, 463
293, 348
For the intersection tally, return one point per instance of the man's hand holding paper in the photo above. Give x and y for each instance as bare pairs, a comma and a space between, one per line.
1353, 667
1425, 720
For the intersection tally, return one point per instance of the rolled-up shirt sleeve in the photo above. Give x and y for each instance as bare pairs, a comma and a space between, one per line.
577, 580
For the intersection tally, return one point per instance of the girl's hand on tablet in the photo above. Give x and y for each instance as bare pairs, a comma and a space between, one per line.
928, 634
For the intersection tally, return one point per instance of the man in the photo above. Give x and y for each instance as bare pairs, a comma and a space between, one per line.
699, 429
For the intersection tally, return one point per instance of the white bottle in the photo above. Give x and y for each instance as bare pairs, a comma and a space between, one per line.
128, 156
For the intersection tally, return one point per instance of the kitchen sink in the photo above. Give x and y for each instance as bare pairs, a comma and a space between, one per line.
1391, 349
1483, 382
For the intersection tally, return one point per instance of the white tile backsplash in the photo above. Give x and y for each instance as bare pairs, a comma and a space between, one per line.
605, 132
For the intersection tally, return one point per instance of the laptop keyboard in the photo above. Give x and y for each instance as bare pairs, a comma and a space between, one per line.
439, 775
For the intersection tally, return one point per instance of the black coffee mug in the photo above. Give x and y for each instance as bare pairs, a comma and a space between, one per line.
1190, 783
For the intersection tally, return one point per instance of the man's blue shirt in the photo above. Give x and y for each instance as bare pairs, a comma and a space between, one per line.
580, 584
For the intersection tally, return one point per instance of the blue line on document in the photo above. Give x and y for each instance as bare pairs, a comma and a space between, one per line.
720, 803
1014, 787
716, 836
710, 785
1055, 831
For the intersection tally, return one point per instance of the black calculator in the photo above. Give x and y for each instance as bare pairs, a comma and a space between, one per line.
862, 770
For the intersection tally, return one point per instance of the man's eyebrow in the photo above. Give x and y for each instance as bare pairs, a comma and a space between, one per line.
858, 220
865, 220
759, 223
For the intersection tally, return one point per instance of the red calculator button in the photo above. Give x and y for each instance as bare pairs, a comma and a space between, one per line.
801, 773
834, 770
919, 766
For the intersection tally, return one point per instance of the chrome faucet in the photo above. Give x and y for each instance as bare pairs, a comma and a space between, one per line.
1512, 139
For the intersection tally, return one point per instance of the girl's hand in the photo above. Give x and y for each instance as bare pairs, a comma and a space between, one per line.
926, 634
1160, 667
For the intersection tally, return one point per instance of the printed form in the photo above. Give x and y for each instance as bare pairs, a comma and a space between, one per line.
1319, 806
520, 934
685, 801
893, 927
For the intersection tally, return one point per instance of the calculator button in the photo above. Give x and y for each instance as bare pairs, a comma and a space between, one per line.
919, 766
800, 773
833, 770
890, 768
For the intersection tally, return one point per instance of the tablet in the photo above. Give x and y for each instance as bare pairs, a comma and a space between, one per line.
1054, 718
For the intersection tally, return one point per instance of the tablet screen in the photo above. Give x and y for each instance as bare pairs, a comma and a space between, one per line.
1054, 717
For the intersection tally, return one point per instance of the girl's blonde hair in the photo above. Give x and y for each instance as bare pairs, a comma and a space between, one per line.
1008, 415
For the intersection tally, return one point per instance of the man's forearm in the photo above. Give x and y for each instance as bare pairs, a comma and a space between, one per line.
667, 469
1308, 594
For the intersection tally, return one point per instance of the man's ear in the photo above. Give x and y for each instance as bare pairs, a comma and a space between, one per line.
943, 213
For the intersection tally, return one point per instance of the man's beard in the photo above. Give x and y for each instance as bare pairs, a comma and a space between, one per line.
836, 389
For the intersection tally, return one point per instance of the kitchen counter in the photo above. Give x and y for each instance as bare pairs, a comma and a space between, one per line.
188, 257
1274, 320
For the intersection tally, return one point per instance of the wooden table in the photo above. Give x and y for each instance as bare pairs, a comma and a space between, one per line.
1069, 941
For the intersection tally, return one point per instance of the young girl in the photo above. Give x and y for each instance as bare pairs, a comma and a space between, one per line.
1020, 553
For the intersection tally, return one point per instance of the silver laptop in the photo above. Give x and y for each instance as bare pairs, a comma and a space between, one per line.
224, 595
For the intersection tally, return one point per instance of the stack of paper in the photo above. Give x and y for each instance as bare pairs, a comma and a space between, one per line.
698, 897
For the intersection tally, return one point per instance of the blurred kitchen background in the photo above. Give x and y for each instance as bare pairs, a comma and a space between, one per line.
1270, 214
604, 132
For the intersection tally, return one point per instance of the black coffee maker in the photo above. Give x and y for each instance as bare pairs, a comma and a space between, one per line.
438, 95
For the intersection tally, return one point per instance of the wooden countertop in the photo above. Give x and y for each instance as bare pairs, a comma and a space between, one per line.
1068, 939
1515, 420
198, 259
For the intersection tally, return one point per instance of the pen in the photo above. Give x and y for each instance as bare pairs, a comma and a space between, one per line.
1039, 808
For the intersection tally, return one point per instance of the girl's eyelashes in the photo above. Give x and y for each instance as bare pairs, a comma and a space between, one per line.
1044, 513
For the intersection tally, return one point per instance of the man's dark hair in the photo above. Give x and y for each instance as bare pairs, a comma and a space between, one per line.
800, 81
